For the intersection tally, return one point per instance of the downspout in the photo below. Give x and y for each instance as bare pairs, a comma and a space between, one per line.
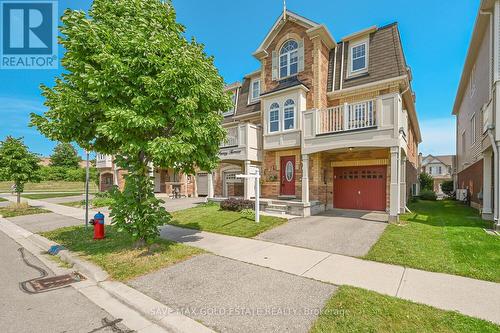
342, 66
334, 68
495, 170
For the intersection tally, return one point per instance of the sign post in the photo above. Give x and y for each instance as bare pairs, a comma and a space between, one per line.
255, 176
87, 176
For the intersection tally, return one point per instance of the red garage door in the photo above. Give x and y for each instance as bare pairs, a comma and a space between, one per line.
360, 187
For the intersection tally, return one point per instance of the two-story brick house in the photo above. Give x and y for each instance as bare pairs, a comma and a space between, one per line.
328, 124
441, 168
477, 111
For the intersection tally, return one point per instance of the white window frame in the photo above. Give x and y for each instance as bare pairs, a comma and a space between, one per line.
288, 57
472, 81
352, 46
473, 129
285, 107
251, 98
271, 109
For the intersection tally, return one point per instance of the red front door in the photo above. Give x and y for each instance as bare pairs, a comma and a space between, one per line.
361, 188
287, 175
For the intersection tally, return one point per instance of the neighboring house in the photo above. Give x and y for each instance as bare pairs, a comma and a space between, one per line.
328, 124
440, 167
477, 108
165, 180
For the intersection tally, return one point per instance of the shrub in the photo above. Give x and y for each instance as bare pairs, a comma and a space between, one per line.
236, 205
447, 187
426, 181
428, 195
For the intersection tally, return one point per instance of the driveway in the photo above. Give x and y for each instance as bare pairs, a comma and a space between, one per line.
45, 222
171, 205
231, 296
350, 233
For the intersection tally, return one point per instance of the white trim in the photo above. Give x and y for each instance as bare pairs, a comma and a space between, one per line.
271, 109
367, 85
334, 69
294, 105
473, 125
351, 72
360, 33
301, 86
288, 59
342, 67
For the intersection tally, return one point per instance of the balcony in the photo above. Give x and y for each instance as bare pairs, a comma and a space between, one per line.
347, 117
243, 142
371, 123
104, 161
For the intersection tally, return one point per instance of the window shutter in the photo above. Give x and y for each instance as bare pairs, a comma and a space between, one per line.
300, 52
275, 65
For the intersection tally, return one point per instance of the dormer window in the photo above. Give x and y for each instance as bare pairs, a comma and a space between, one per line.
254, 90
234, 99
358, 56
289, 59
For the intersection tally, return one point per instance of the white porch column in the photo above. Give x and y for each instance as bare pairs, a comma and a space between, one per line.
246, 181
402, 182
394, 195
487, 212
210, 181
305, 178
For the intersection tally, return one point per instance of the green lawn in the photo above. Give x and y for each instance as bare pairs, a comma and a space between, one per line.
211, 218
20, 210
357, 310
49, 195
116, 254
51, 186
441, 236
94, 203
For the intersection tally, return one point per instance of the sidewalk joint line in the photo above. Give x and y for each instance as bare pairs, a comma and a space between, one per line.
316, 264
401, 281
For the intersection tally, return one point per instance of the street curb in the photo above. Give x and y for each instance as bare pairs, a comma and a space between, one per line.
159, 314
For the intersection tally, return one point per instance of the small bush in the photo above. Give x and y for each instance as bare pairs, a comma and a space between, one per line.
428, 195
236, 205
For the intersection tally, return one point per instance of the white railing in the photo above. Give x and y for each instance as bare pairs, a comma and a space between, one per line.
347, 117
104, 161
232, 138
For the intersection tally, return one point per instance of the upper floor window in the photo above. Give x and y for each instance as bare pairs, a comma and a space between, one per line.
439, 170
289, 59
358, 57
234, 98
289, 115
254, 90
473, 129
274, 117
472, 81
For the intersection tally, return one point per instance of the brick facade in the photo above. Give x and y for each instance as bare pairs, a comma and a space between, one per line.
471, 178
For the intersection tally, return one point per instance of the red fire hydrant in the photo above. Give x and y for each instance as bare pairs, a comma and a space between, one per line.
98, 223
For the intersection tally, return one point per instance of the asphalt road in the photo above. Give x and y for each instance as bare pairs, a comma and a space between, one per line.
62, 310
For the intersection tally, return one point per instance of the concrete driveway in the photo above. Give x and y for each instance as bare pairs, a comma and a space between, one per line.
350, 233
45, 222
231, 296
173, 205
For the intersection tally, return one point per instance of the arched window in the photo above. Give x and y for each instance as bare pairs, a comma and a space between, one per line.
289, 59
274, 117
289, 115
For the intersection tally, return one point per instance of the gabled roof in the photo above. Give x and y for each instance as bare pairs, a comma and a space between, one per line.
445, 159
311, 26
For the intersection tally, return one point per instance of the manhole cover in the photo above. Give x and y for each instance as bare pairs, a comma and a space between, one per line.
55, 281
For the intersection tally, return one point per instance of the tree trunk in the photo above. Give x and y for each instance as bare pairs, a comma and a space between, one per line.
18, 197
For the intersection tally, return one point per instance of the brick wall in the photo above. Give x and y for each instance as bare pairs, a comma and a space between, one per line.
472, 179
411, 177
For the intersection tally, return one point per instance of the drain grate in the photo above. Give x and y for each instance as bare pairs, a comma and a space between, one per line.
55, 281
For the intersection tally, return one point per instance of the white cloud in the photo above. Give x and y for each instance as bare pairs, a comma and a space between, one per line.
438, 136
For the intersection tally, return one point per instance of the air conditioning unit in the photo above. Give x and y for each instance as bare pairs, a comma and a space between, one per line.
461, 194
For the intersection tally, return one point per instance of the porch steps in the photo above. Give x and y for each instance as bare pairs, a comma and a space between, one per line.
277, 208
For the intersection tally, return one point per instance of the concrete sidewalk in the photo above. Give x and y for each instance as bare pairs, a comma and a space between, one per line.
449, 292
472, 297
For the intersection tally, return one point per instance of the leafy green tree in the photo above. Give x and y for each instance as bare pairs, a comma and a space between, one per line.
426, 181
18, 164
447, 187
135, 88
65, 155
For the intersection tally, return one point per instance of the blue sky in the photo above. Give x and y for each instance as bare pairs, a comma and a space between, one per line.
435, 37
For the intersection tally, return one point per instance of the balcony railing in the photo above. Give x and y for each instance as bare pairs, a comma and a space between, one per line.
347, 117
231, 139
